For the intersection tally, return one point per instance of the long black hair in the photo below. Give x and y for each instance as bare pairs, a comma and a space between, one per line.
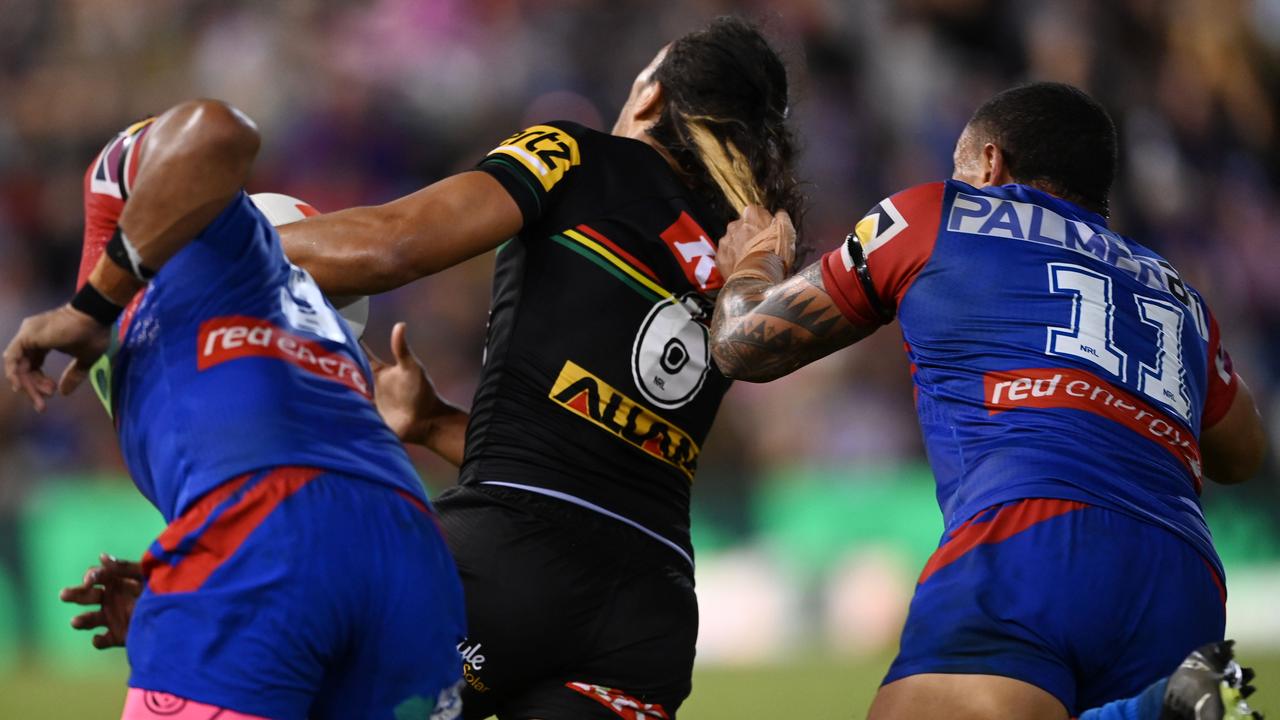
725, 118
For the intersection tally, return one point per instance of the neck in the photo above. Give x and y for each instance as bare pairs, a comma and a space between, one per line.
1057, 192
641, 132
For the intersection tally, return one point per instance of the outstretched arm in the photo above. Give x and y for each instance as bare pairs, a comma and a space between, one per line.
766, 328
765, 325
191, 163
369, 250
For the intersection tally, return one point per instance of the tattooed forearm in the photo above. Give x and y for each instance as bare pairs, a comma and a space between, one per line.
762, 331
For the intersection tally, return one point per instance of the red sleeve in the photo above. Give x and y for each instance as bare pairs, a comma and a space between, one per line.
868, 275
1223, 381
107, 183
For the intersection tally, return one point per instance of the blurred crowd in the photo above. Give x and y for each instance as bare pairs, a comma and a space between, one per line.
361, 101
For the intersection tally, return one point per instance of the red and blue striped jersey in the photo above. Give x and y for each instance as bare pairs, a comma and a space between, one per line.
1052, 357
232, 361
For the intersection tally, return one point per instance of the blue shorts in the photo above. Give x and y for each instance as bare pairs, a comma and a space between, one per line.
1087, 604
295, 594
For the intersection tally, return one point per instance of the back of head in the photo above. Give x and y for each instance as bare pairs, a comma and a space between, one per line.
1054, 136
725, 118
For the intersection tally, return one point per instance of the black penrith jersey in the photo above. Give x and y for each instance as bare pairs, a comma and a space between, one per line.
598, 386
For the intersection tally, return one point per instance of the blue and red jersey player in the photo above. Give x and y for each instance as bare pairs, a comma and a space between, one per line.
1073, 392
302, 574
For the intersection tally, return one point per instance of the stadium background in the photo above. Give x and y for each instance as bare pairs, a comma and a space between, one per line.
814, 510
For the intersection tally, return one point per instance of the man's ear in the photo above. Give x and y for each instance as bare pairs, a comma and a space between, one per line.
649, 103
994, 169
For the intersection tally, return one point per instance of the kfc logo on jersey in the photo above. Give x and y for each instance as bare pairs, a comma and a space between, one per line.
694, 251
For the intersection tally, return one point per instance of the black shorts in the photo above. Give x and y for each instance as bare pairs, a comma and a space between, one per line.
570, 614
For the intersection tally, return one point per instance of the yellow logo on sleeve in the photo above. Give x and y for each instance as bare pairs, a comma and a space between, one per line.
599, 403
546, 152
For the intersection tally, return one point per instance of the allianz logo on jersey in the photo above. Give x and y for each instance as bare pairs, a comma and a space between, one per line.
994, 217
598, 402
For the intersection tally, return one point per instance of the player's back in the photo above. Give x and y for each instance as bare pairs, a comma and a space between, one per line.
598, 386
232, 361
1052, 357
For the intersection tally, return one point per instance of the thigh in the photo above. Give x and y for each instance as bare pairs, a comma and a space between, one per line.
1047, 592
989, 602
1165, 601
401, 657
964, 697
639, 664
269, 594
521, 588
563, 611
220, 620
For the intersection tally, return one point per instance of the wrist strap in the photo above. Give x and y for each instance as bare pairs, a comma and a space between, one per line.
96, 305
123, 253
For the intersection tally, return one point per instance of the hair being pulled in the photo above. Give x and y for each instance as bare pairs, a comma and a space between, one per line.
725, 118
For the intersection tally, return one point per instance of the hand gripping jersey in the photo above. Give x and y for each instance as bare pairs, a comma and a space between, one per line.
598, 386
1051, 356
231, 360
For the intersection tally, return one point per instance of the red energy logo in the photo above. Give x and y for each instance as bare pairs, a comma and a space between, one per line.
236, 336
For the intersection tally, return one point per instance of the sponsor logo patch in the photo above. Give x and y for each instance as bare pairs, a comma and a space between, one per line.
1080, 390
545, 151
236, 336
624, 705
594, 400
694, 251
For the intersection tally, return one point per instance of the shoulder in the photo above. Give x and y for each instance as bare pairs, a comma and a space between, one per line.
915, 211
547, 152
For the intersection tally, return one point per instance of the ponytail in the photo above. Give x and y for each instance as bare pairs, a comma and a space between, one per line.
724, 121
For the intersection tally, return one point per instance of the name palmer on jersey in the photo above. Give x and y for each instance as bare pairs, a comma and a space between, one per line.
1013, 220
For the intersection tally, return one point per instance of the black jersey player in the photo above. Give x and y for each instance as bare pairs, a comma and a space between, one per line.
571, 525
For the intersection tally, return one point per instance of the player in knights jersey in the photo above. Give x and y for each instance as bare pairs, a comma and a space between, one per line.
1073, 391
280, 588
570, 525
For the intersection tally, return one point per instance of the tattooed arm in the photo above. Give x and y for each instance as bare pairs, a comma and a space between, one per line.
765, 327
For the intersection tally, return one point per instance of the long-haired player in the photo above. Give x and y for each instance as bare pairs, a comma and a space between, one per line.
571, 525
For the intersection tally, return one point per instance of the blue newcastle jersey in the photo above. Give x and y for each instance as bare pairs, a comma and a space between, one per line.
234, 362
1051, 356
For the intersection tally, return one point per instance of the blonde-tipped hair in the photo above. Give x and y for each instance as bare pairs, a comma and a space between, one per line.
726, 164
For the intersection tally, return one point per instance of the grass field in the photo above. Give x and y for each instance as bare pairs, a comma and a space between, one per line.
814, 689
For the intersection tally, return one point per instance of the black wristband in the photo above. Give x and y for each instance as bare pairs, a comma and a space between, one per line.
122, 253
96, 305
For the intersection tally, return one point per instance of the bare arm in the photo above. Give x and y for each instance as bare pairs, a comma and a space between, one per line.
192, 162
369, 250
766, 328
1235, 447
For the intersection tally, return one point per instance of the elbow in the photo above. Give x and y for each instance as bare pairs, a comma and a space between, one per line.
217, 134
1238, 459
1245, 463
738, 363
